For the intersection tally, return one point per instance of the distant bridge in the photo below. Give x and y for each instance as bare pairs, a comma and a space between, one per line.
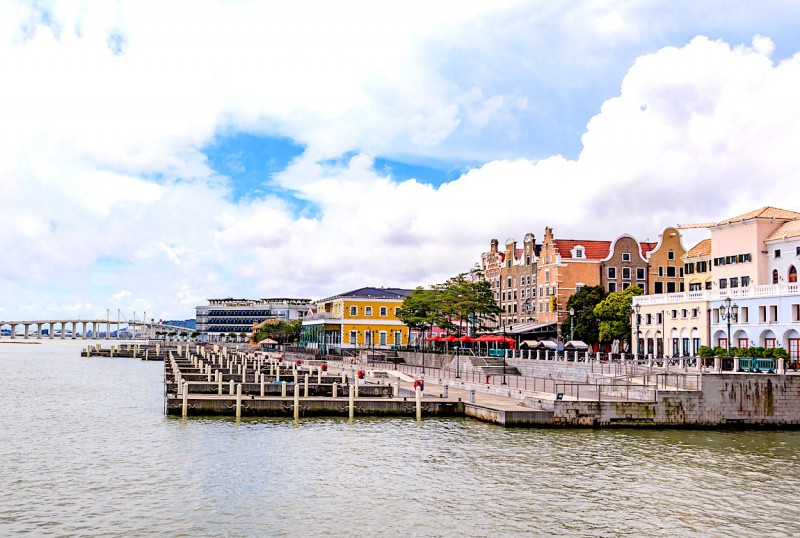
86, 325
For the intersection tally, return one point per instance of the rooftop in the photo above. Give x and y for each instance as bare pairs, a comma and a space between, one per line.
788, 229
703, 248
767, 212
593, 250
373, 293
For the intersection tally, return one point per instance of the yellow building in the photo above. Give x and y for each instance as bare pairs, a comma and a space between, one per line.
666, 264
366, 317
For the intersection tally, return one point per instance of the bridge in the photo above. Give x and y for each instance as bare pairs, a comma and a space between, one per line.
72, 326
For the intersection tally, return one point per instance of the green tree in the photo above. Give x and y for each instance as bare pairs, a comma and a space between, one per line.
418, 311
614, 313
584, 322
280, 331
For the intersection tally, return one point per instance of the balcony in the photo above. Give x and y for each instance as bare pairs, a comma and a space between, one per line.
767, 290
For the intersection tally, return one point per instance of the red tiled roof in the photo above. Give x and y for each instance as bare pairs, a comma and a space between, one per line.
594, 250
647, 247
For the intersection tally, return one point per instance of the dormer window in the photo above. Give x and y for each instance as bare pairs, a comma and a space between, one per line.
626, 256
579, 251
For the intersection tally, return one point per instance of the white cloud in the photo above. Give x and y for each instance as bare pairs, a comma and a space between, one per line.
105, 188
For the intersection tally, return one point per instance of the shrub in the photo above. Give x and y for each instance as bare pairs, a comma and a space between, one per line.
705, 352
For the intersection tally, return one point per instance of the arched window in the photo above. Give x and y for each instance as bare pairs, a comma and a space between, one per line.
792, 274
774, 276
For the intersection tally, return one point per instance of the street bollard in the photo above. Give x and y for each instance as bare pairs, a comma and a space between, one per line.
351, 402
262, 385
185, 405
305, 387
239, 401
335, 390
230, 387
296, 402
446, 390
472, 396
283, 389
396, 389
419, 402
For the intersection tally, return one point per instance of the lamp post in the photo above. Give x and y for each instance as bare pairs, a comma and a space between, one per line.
731, 312
637, 308
571, 324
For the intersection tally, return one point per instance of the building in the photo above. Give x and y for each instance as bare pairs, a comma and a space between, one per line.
565, 266
512, 274
697, 267
752, 260
665, 260
625, 264
224, 316
366, 317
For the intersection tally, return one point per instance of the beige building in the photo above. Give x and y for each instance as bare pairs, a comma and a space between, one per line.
697, 267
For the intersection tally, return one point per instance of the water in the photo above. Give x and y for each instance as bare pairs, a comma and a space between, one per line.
85, 449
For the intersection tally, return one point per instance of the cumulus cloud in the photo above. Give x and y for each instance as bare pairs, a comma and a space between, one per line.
109, 202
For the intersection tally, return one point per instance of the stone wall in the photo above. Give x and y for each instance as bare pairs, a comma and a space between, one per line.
725, 400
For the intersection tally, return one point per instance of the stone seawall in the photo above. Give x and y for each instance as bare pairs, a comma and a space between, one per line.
747, 400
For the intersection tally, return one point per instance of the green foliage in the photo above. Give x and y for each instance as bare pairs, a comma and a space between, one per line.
459, 300
614, 313
280, 331
780, 353
584, 323
705, 352
720, 352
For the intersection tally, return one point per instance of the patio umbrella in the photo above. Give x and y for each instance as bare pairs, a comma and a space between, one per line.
450, 338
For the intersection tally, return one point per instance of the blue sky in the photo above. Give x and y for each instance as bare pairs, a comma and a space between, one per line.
161, 154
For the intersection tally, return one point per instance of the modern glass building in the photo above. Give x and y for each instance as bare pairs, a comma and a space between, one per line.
224, 316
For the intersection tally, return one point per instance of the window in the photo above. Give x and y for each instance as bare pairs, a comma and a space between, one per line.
723, 283
626, 285
745, 281
626, 273
695, 312
671, 272
658, 287
508, 264
509, 282
715, 315
547, 275
659, 318
671, 255
353, 310
796, 312
695, 286
382, 338
774, 276
383, 311
773, 313
708, 284
640, 273
744, 314
730, 259
612, 272
777, 253
396, 310
579, 253
648, 319
769, 342
670, 287
797, 251
367, 310
674, 314
689, 268
398, 338
660, 271
792, 274
762, 314
702, 267
734, 282
626, 256
612, 286
684, 313
353, 336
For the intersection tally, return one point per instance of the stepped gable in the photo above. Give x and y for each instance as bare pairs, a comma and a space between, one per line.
767, 212
593, 250
788, 229
703, 248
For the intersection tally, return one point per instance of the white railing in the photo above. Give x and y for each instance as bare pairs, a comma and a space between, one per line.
766, 290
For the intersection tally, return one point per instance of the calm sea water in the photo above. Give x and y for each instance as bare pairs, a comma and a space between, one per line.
85, 449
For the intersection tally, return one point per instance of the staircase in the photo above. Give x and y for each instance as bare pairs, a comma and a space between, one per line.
492, 366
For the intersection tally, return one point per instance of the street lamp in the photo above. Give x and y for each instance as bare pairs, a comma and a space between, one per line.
731, 312
637, 308
571, 324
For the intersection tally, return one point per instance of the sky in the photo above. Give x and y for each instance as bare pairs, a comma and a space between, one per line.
158, 154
